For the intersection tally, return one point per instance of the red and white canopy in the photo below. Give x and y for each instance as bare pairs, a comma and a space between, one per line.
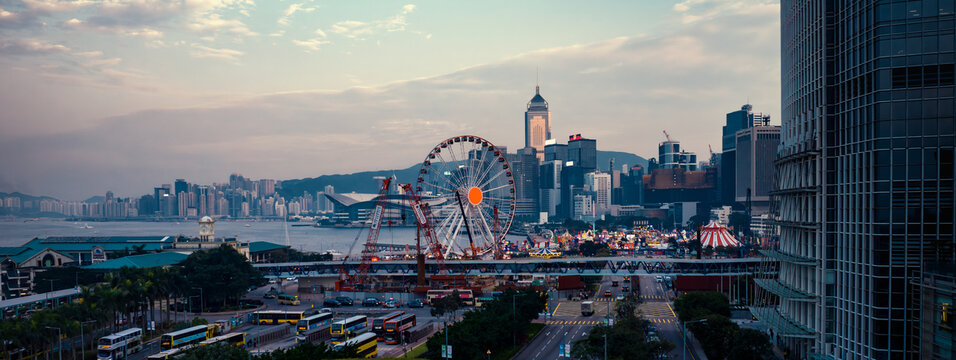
715, 235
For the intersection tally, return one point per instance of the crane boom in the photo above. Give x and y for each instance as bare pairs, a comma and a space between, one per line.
371, 242
423, 222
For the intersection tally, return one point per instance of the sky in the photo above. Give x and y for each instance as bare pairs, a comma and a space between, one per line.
101, 95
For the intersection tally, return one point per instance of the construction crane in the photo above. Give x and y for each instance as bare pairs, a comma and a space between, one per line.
423, 223
668, 136
371, 241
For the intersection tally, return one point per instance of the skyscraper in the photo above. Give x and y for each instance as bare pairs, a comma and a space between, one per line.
866, 175
738, 120
756, 150
537, 123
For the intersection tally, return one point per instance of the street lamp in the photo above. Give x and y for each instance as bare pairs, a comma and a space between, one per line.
82, 339
59, 341
488, 353
684, 328
201, 300
605, 346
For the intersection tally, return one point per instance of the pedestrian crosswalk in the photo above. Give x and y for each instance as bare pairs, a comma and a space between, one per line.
573, 322
653, 297
662, 321
656, 309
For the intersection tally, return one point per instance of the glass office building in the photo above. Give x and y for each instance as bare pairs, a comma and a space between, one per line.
864, 175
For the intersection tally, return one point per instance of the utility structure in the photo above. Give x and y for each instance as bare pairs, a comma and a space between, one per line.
423, 226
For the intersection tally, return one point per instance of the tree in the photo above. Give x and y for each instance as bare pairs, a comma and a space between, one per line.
446, 304
750, 344
696, 305
715, 335
223, 274
625, 340
491, 327
590, 248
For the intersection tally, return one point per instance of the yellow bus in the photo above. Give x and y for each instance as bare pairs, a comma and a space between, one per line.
366, 345
287, 299
276, 317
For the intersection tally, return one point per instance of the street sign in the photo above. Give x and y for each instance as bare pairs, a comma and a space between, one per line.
449, 351
446, 351
560, 350
567, 350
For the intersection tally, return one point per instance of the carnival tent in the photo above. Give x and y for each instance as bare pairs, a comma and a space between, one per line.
715, 235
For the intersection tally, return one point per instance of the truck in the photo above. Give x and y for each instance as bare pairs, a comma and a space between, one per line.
587, 308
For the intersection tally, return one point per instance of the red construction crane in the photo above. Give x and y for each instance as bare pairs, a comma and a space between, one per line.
424, 224
368, 253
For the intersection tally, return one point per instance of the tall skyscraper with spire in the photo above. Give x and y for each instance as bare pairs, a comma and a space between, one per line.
537, 123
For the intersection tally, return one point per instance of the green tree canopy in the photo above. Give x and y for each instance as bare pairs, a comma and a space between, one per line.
223, 274
697, 305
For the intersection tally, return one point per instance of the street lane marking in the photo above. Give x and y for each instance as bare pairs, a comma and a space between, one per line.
672, 309
556, 309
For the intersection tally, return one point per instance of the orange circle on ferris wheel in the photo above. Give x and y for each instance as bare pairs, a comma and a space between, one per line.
475, 196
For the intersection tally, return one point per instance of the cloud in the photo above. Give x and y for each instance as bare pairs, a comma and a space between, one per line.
311, 44
30, 47
292, 9
621, 91
215, 23
360, 30
202, 51
696, 10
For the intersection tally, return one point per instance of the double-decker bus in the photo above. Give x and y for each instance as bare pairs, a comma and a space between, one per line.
165, 354
313, 322
366, 345
378, 324
466, 295
396, 327
234, 339
187, 336
287, 299
346, 329
119, 345
275, 317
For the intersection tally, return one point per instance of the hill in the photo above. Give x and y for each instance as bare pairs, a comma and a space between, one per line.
365, 182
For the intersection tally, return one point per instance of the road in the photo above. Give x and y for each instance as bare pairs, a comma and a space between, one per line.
566, 325
657, 307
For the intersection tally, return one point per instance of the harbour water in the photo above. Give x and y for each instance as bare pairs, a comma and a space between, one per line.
16, 232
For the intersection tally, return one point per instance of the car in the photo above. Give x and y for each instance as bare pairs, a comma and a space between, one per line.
331, 303
625, 289
370, 302
344, 301
325, 310
290, 278
273, 280
659, 278
620, 297
614, 284
391, 304
607, 293
269, 295
416, 303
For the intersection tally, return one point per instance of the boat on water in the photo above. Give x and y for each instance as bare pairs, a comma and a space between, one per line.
86, 226
247, 225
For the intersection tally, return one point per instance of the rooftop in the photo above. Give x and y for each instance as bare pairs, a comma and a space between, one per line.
141, 261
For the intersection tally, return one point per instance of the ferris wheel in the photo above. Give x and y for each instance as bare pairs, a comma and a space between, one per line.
470, 191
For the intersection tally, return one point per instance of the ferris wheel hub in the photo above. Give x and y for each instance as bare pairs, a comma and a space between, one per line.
475, 195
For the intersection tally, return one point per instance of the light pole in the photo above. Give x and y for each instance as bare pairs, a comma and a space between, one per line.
59, 341
605, 346
201, 300
488, 353
684, 328
514, 313
82, 339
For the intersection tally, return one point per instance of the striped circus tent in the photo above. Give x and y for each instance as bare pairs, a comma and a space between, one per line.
715, 235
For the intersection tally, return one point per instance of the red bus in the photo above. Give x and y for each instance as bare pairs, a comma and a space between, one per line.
378, 324
395, 327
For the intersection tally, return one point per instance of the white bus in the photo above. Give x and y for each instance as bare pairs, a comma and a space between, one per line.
119, 345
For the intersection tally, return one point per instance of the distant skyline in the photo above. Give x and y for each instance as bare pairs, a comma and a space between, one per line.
104, 96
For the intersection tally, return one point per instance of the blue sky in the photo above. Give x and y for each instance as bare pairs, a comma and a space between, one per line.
123, 95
